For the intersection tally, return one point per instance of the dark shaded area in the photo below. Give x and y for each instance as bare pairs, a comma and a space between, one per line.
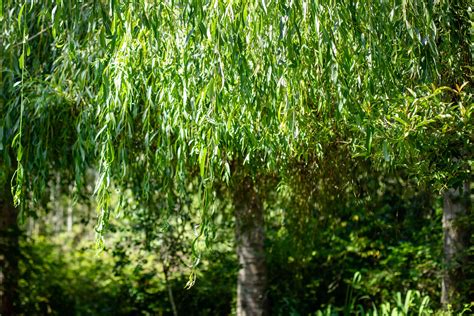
390, 232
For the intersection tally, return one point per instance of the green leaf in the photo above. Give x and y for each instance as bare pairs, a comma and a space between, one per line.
21, 60
369, 137
20, 15
202, 161
386, 154
399, 120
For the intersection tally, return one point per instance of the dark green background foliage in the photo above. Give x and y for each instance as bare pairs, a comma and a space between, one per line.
395, 244
386, 228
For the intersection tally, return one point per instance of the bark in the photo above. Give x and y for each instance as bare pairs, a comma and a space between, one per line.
456, 241
9, 248
249, 234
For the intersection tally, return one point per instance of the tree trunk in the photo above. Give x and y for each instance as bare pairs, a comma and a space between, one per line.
8, 251
456, 239
249, 235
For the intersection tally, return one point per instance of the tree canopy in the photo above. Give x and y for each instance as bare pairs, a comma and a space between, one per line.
164, 92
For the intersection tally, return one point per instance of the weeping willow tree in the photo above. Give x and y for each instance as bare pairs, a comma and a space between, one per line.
160, 95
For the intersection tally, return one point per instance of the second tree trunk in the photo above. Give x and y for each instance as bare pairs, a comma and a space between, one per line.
249, 234
456, 239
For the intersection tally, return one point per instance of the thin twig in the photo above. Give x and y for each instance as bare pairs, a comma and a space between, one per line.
33, 36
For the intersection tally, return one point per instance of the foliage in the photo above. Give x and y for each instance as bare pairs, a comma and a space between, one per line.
394, 242
376, 234
64, 275
158, 94
170, 102
412, 304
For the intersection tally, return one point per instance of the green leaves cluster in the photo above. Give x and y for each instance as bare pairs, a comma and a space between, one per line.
155, 94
